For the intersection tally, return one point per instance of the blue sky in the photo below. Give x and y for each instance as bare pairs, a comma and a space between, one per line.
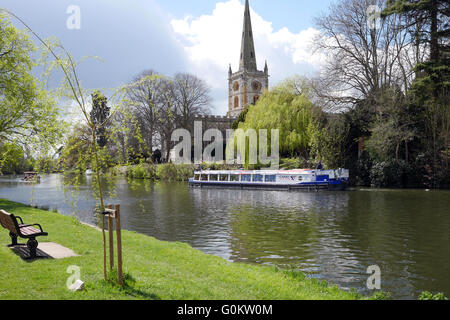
197, 36
293, 14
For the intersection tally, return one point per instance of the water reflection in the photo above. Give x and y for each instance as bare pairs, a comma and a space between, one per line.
331, 235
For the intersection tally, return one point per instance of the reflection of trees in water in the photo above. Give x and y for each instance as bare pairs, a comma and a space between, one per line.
321, 201
275, 226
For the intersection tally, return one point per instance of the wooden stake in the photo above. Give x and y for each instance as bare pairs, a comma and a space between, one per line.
111, 239
119, 245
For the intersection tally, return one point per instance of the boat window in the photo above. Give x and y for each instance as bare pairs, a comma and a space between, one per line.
257, 178
204, 177
234, 177
197, 177
271, 178
246, 177
213, 177
223, 177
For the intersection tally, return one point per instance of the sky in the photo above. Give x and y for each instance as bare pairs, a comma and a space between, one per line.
168, 36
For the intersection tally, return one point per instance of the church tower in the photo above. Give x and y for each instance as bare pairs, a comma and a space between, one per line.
247, 84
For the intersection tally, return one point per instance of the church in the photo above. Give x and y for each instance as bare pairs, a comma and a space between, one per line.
246, 85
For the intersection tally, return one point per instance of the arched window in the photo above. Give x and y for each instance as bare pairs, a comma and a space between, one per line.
256, 86
236, 102
236, 86
255, 99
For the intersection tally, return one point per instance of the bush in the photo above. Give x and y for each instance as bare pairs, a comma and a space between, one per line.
390, 173
166, 172
185, 172
142, 171
361, 176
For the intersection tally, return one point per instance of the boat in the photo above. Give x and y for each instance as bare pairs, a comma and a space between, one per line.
89, 172
299, 179
31, 176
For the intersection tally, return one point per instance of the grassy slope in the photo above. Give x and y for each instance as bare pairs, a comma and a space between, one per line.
155, 269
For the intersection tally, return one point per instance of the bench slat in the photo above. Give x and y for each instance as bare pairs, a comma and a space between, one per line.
26, 231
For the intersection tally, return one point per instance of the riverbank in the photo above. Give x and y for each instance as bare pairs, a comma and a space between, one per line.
154, 269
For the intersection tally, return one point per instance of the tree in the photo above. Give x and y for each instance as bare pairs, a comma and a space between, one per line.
99, 115
76, 151
429, 22
362, 61
288, 111
329, 143
11, 158
27, 112
191, 99
143, 97
167, 116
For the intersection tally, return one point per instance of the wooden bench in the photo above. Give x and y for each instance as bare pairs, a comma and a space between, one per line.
26, 231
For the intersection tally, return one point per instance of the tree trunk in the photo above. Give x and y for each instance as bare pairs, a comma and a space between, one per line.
406, 151
434, 43
396, 151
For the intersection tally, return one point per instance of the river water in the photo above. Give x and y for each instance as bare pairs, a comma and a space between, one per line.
334, 236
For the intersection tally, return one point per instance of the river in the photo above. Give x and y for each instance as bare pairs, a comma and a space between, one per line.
334, 236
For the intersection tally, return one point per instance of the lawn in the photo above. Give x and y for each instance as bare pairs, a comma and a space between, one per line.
154, 269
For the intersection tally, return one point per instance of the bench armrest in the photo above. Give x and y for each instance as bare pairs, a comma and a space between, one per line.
30, 225
21, 221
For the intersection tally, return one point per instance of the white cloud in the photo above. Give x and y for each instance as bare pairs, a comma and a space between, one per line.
212, 42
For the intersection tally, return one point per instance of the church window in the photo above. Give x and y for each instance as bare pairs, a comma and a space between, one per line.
255, 99
236, 86
236, 102
256, 86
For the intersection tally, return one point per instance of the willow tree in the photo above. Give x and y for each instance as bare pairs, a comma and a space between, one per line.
288, 110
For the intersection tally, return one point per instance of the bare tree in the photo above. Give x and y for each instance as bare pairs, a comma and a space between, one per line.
362, 61
167, 116
160, 105
143, 95
192, 98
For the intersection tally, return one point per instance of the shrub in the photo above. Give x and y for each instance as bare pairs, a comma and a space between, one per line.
185, 172
166, 172
142, 171
360, 176
390, 173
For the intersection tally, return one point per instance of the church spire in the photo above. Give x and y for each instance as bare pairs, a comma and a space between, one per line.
248, 57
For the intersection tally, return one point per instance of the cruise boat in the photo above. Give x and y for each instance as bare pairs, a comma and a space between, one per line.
299, 179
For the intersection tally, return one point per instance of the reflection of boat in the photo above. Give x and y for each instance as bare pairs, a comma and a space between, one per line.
31, 176
282, 179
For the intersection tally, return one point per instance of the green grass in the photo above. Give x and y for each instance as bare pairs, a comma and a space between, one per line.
154, 269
